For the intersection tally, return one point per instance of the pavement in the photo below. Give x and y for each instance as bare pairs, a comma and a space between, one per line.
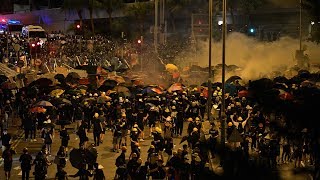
107, 158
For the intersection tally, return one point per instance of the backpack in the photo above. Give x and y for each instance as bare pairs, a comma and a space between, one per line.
119, 162
40, 165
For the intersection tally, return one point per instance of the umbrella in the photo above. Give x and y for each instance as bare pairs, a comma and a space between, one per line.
110, 82
175, 87
118, 79
91, 155
89, 100
304, 74
108, 85
59, 101
42, 82
59, 76
75, 158
171, 68
281, 79
235, 136
280, 86
122, 90
101, 100
83, 87
243, 93
73, 75
38, 110
73, 91
44, 103
307, 83
151, 91
231, 89
233, 78
285, 95
56, 92
137, 82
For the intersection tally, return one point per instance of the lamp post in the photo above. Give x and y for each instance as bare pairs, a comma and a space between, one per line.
155, 33
223, 116
300, 26
209, 104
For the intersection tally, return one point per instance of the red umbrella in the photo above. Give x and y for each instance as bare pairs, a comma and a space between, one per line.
175, 87
243, 93
157, 90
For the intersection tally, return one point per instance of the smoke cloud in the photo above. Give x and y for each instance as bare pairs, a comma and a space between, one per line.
255, 58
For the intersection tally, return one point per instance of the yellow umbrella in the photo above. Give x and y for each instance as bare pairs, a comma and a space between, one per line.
171, 68
56, 92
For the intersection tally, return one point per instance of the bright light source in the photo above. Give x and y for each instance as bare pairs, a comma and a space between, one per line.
252, 30
312, 22
220, 23
38, 44
33, 45
139, 41
78, 26
3, 20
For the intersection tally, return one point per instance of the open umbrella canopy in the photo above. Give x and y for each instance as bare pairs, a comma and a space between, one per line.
137, 82
75, 158
118, 79
281, 79
56, 92
152, 91
233, 78
8, 85
121, 90
42, 82
243, 93
175, 87
59, 101
88, 68
171, 68
110, 82
44, 104
38, 110
73, 75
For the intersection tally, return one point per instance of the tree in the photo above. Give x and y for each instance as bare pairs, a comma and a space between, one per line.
92, 5
139, 10
173, 7
75, 5
111, 6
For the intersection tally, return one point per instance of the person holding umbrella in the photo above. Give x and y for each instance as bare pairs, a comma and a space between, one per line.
26, 161
82, 133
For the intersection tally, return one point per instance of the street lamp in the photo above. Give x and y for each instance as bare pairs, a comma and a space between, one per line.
223, 116
210, 59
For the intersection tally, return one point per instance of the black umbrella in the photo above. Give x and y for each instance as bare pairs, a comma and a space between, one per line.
59, 76
280, 86
233, 78
304, 74
88, 68
73, 75
91, 155
280, 79
59, 101
76, 159
42, 82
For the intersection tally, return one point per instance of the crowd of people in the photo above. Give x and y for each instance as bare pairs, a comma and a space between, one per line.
251, 132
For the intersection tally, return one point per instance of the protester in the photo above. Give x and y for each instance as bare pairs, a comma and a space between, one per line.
26, 161
7, 156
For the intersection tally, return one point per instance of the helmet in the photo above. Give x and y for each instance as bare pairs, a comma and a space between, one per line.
230, 124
